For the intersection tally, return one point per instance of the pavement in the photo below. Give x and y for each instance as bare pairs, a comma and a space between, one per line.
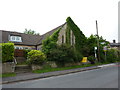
33, 76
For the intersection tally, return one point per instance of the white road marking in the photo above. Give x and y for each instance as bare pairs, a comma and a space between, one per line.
106, 65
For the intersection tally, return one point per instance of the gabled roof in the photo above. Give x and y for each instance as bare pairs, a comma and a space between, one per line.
27, 39
115, 44
44, 36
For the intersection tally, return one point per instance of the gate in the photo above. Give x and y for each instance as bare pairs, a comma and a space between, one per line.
19, 53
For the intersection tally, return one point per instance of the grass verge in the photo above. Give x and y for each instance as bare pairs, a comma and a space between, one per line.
49, 69
8, 75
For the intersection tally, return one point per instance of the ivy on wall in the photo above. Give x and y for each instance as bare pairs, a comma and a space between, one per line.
50, 42
80, 39
68, 41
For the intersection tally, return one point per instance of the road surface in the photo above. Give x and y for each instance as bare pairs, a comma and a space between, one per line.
106, 77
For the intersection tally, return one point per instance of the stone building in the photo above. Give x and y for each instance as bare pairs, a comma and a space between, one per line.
27, 41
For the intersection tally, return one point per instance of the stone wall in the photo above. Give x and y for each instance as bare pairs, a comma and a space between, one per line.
8, 67
62, 34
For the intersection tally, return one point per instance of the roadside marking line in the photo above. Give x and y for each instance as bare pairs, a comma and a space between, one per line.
106, 65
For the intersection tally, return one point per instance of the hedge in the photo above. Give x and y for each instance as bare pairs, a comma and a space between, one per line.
7, 52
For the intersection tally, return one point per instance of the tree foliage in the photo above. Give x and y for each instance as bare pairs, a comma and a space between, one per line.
30, 32
50, 42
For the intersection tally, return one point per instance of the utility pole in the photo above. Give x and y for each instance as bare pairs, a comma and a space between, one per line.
98, 45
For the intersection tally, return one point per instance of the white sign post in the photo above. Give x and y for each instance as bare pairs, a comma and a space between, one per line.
95, 48
105, 49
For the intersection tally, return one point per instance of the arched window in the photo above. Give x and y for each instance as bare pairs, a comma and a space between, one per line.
62, 39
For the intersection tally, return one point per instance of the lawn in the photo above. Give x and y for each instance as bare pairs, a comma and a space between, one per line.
49, 69
8, 75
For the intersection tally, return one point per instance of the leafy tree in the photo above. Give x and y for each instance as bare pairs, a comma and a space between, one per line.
30, 32
92, 42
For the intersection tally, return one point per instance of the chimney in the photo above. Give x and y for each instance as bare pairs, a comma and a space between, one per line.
114, 41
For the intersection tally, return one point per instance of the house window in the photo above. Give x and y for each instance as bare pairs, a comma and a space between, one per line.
62, 39
15, 38
18, 47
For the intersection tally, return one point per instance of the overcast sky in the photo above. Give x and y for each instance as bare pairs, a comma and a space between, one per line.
45, 15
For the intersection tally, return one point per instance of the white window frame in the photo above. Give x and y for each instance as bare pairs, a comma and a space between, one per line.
15, 39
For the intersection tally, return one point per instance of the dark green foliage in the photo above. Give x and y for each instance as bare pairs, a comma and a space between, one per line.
91, 43
62, 54
102, 55
112, 56
36, 57
91, 59
26, 53
80, 39
118, 52
68, 41
30, 32
78, 56
7, 52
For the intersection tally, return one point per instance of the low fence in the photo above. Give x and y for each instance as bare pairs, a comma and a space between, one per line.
19, 56
19, 53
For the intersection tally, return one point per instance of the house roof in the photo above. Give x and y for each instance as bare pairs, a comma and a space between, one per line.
27, 39
115, 44
43, 37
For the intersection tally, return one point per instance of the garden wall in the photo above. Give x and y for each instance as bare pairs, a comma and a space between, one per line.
8, 67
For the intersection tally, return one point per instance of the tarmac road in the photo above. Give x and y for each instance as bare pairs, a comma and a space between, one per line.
105, 77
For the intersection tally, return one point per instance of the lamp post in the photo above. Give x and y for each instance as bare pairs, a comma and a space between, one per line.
98, 46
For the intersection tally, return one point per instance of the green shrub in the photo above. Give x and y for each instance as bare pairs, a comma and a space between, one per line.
26, 53
112, 56
78, 56
62, 54
7, 52
36, 57
50, 42
118, 56
91, 59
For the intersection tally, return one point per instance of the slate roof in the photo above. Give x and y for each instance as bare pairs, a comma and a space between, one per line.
115, 44
27, 39
43, 37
